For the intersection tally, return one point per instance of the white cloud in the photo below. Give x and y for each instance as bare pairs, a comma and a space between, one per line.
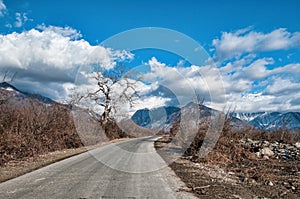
63, 31
276, 87
149, 102
280, 86
50, 56
53, 48
249, 83
230, 86
233, 85
47, 60
251, 102
254, 102
235, 44
21, 19
257, 69
186, 82
2, 8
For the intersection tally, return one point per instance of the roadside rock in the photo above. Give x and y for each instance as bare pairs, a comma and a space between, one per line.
266, 150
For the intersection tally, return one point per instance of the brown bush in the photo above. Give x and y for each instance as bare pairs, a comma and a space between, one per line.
228, 148
230, 153
35, 128
113, 131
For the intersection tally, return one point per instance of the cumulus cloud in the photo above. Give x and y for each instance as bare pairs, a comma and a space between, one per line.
51, 55
235, 44
258, 69
253, 102
64, 31
280, 86
149, 102
47, 60
246, 85
254, 87
186, 82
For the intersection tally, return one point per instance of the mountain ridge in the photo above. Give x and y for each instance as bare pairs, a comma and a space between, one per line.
260, 120
163, 117
18, 93
271, 120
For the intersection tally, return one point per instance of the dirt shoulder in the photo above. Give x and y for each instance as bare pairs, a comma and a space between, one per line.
254, 179
14, 169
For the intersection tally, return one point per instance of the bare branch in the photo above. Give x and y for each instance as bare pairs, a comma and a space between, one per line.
105, 94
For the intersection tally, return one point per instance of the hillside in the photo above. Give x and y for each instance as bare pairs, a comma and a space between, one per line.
243, 163
32, 124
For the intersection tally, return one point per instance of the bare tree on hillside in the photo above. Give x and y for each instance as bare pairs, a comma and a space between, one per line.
112, 88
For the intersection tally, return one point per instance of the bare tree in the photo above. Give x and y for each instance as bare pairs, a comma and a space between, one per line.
113, 87
6, 77
199, 100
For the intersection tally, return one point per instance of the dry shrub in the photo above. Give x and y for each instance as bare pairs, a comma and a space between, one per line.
229, 144
88, 128
230, 153
134, 130
113, 131
36, 128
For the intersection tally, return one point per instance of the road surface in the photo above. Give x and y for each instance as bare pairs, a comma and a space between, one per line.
128, 169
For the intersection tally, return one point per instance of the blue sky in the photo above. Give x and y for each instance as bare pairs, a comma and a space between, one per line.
254, 44
201, 20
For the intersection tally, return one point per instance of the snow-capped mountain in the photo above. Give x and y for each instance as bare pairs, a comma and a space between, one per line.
9, 90
164, 117
271, 120
247, 117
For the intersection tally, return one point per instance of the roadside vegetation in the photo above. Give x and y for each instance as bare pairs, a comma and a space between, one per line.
29, 128
33, 129
244, 163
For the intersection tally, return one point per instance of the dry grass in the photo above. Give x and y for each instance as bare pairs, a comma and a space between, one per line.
34, 129
233, 156
29, 128
16, 168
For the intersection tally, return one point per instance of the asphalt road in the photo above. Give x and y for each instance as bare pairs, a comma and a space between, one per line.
128, 169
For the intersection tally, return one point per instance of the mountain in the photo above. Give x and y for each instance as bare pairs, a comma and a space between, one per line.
247, 117
271, 120
10, 91
155, 118
164, 117
8, 87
